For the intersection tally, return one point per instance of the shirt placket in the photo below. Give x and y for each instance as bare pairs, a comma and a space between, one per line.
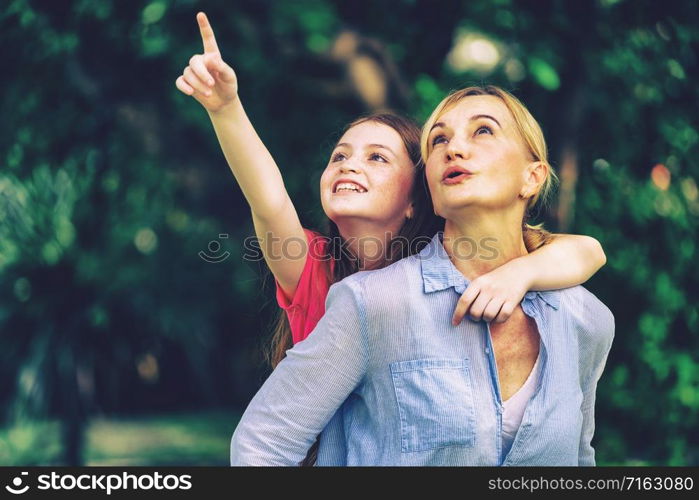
495, 385
520, 438
460, 285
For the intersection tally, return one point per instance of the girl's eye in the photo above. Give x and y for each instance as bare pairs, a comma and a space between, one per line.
377, 157
486, 128
338, 157
439, 139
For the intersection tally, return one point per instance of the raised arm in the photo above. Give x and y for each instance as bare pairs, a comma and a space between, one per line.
306, 388
214, 84
566, 261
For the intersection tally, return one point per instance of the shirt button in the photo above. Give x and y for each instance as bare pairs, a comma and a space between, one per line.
487, 350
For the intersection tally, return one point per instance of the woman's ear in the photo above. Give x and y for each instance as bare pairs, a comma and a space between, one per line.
409, 212
534, 177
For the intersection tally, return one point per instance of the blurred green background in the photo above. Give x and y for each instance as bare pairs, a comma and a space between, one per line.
122, 345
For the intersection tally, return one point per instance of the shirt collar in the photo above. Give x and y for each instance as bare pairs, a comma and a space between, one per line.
438, 273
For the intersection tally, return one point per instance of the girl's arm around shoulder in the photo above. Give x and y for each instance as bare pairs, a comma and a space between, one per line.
567, 260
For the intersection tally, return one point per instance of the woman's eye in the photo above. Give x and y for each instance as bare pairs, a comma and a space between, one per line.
378, 157
440, 139
338, 157
487, 129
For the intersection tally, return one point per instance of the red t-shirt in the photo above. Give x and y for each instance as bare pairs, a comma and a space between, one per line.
307, 306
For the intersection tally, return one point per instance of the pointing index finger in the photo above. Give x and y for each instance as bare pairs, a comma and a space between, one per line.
207, 33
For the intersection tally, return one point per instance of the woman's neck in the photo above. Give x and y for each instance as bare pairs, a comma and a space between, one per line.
478, 243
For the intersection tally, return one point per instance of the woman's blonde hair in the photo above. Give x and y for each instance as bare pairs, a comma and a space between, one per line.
529, 130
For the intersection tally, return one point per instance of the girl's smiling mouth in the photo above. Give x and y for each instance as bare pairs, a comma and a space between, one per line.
348, 186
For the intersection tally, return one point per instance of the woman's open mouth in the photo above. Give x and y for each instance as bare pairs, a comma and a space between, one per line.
454, 175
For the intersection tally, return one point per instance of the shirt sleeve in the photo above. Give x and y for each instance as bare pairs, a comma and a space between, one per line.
307, 387
310, 274
596, 335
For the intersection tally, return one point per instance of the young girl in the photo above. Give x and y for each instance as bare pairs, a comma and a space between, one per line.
378, 207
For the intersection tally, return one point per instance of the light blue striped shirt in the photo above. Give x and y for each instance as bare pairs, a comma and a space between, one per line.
389, 380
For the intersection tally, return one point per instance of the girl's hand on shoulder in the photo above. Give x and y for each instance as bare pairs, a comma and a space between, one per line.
208, 78
495, 295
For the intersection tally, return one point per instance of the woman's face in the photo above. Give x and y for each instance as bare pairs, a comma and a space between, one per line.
477, 157
369, 177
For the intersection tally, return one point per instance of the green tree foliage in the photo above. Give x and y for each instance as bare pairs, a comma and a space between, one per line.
112, 183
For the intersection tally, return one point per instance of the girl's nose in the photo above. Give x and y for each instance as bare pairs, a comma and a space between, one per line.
349, 166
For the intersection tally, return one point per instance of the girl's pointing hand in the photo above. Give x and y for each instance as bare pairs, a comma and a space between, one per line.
208, 78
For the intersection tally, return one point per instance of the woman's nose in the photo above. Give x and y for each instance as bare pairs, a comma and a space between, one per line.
455, 149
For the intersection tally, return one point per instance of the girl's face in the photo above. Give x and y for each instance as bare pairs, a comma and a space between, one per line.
369, 178
477, 157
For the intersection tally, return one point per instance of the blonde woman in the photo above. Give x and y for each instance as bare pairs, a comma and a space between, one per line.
411, 387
